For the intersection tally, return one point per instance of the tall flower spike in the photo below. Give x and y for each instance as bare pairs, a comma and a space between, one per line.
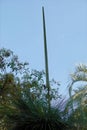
46, 58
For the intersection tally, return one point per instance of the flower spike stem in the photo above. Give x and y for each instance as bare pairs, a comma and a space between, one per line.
46, 59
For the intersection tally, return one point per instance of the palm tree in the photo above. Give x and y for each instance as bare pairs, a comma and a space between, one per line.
78, 97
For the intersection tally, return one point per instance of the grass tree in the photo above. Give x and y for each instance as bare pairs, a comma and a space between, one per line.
27, 109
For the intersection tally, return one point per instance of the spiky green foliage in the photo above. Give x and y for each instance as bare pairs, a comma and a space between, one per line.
33, 115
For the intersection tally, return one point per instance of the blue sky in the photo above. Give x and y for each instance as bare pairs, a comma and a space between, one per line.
66, 24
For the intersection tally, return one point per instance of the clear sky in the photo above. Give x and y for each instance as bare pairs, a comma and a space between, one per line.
66, 23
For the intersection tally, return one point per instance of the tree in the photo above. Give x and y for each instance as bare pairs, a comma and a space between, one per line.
78, 99
10, 68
